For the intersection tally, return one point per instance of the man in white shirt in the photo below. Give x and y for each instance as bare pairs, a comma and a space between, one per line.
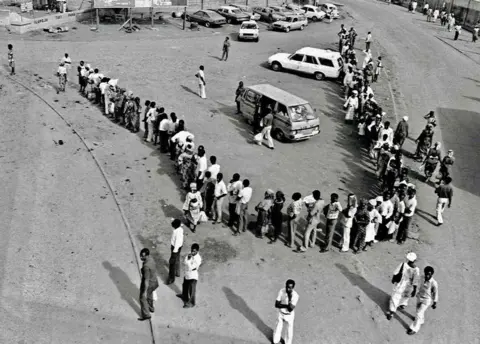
368, 41
233, 189
201, 82
201, 167
347, 81
244, 196
191, 264
410, 206
387, 130
176, 248
286, 302
427, 295
150, 121
163, 132
68, 61
385, 210
214, 167
220, 193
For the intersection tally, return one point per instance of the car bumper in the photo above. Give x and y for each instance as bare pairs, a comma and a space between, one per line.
302, 135
250, 37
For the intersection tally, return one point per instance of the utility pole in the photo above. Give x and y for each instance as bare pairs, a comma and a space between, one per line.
184, 16
466, 14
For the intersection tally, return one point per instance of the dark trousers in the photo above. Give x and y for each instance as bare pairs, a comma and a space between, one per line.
367, 45
403, 229
359, 242
174, 265
456, 35
189, 291
225, 54
277, 226
208, 204
329, 230
145, 125
173, 148
238, 106
163, 141
146, 301
243, 218
232, 215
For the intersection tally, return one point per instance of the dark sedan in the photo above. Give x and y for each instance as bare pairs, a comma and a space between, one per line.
207, 18
233, 14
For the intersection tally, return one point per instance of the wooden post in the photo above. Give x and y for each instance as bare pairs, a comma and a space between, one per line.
184, 16
131, 17
97, 18
151, 13
466, 14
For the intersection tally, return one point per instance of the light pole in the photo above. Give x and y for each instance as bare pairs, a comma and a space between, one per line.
466, 14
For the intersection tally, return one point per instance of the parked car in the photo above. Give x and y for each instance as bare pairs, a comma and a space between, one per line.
330, 8
233, 14
249, 30
247, 10
293, 8
206, 17
313, 13
291, 22
317, 62
293, 117
268, 14
282, 11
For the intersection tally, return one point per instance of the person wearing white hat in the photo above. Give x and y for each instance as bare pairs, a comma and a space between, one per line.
351, 105
401, 133
375, 219
192, 207
405, 281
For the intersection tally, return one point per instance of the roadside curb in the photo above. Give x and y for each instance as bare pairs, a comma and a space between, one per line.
454, 47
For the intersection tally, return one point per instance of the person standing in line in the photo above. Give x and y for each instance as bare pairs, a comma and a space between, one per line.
208, 193
243, 198
201, 82
427, 296
238, 95
451, 22
233, 189
445, 194
348, 215
313, 220
80, 68
293, 211
201, 159
286, 302
341, 35
435, 15
145, 117
372, 226
225, 49
172, 130
148, 285
266, 130
220, 193
176, 244
414, 6
386, 210
401, 132
11, 60
191, 264
351, 105
62, 77
163, 128
458, 31
214, 168
264, 211
331, 212
410, 206
277, 215
362, 219
405, 281
368, 41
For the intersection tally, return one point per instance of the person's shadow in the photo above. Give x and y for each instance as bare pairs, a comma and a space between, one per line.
375, 294
236, 302
128, 290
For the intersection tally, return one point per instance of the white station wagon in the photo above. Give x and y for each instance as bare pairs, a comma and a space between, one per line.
313, 13
317, 62
291, 22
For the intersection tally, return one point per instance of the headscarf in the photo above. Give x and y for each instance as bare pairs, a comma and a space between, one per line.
193, 186
411, 257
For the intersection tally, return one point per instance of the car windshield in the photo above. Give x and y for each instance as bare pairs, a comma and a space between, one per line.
249, 26
301, 113
288, 19
237, 11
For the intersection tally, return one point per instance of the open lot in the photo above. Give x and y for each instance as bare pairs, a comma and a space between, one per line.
342, 297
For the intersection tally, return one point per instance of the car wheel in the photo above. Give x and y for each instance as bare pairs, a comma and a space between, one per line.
302, 27
279, 135
239, 38
314, 19
257, 40
287, 29
276, 66
229, 21
319, 76
207, 24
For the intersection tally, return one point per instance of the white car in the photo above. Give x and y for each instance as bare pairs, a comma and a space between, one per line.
249, 31
291, 22
317, 62
313, 13
330, 8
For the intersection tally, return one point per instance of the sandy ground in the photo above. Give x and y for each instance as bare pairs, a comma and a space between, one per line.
343, 297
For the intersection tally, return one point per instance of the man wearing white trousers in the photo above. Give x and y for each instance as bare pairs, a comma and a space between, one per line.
201, 82
266, 131
286, 301
427, 296
445, 194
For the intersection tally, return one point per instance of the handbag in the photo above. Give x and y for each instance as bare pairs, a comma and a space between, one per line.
398, 277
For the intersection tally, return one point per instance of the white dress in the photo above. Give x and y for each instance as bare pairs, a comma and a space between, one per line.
351, 104
402, 290
370, 230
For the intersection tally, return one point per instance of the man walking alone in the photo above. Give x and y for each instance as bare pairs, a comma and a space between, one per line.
427, 295
226, 49
201, 82
286, 302
148, 285
445, 194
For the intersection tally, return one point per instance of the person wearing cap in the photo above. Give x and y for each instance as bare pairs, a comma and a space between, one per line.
62, 77
351, 105
424, 142
192, 208
401, 132
331, 212
176, 244
264, 210
427, 296
405, 281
